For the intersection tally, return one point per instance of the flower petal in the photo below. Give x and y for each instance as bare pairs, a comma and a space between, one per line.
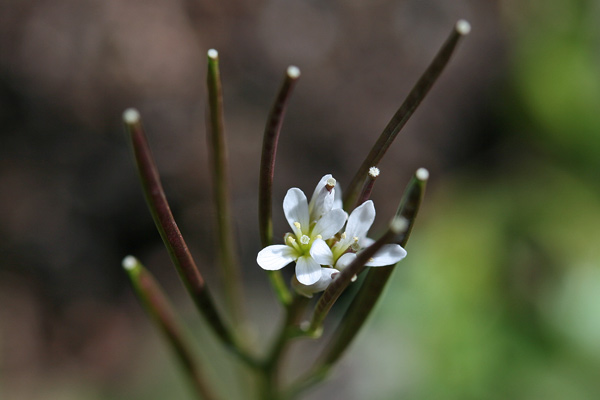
321, 253
330, 223
388, 255
276, 257
327, 276
320, 186
322, 199
361, 220
337, 198
365, 242
308, 271
295, 208
345, 260
322, 204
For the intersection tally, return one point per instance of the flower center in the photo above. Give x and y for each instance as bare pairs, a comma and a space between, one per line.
343, 246
301, 244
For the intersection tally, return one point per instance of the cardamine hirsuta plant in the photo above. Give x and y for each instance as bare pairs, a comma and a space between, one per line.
327, 244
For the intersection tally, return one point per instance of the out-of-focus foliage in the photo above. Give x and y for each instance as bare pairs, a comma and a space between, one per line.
500, 297
555, 63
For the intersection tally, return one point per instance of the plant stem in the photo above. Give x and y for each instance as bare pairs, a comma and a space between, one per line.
267, 169
228, 257
289, 330
171, 236
408, 107
339, 284
377, 278
160, 310
364, 302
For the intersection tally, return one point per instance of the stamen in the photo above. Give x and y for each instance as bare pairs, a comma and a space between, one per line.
344, 235
297, 225
304, 239
291, 240
330, 184
319, 237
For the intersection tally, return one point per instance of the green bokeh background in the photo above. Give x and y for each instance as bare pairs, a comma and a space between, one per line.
500, 297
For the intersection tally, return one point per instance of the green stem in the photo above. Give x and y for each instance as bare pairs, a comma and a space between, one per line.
310, 379
289, 330
281, 290
171, 236
228, 257
160, 310
339, 284
371, 290
377, 278
267, 169
408, 107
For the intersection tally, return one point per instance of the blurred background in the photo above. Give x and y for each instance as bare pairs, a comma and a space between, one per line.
500, 294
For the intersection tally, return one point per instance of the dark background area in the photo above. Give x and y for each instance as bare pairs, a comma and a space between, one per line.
510, 134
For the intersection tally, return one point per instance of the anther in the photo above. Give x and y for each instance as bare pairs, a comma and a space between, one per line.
330, 184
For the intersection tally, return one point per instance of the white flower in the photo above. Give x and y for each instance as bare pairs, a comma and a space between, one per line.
353, 240
327, 276
309, 222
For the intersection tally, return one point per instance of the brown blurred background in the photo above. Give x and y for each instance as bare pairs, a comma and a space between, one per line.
71, 207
